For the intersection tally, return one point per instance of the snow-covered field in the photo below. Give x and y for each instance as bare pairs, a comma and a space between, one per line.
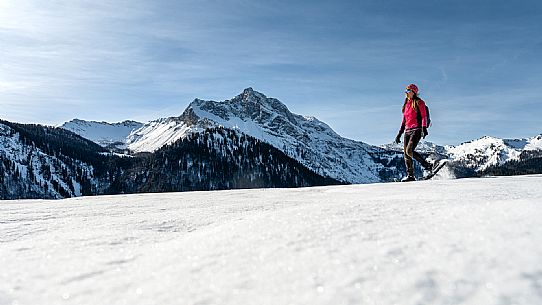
468, 241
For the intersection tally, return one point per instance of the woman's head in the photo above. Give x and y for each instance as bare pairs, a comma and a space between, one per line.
411, 91
413, 88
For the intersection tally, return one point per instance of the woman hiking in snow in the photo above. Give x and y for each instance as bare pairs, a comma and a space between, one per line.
415, 128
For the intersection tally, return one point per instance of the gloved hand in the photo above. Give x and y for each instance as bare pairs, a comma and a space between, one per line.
397, 139
424, 132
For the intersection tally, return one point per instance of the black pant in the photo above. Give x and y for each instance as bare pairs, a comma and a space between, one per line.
412, 138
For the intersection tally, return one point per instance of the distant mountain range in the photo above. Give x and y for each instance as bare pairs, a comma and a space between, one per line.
486, 152
220, 145
306, 139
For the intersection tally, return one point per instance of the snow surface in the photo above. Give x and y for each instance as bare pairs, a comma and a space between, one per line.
467, 241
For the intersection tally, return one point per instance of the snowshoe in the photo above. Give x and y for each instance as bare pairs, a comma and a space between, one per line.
437, 166
408, 179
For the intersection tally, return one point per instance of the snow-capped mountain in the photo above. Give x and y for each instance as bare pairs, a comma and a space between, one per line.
490, 151
111, 135
306, 139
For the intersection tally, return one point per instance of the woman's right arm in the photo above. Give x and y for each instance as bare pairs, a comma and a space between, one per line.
398, 137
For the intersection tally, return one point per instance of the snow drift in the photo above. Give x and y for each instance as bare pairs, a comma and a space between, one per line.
466, 241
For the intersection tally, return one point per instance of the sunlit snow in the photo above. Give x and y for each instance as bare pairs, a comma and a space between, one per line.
466, 241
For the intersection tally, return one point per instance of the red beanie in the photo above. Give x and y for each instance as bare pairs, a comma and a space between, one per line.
413, 87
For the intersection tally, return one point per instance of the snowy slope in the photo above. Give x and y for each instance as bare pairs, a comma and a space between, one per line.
40, 174
534, 143
489, 151
103, 133
467, 241
155, 134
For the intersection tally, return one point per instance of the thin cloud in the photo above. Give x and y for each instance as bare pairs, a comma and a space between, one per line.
139, 59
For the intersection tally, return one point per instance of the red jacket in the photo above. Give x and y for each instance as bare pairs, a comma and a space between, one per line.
414, 118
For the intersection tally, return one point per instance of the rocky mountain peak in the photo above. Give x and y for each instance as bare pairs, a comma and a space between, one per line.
248, 105
249, 94
253, 103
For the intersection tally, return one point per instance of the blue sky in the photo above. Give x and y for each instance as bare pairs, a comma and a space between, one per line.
478, 63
